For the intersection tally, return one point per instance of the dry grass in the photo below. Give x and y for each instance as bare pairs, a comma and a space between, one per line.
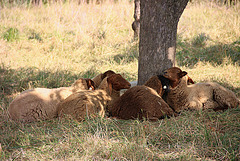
53, 45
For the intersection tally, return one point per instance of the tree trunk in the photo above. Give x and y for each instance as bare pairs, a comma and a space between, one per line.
158, 33
37, 2
136, 22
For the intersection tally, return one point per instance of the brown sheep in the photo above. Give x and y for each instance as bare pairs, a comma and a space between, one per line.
98, 79
161, 84
197, 96
41, 103
140, 102
85, 104
144, 101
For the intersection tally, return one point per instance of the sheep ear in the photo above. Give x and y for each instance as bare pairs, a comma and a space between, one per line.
103, 76
190, 80
110, 88
183, 73
91, 84
109, 85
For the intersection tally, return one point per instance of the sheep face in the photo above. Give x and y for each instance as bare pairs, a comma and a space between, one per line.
117, 82
174, 74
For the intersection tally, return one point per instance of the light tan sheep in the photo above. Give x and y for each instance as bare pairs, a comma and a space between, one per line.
41, 103
197, 96
85, 104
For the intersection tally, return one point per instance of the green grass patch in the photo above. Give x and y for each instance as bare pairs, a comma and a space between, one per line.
11, 34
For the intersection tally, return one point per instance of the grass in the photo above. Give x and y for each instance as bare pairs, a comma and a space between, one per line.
53, 45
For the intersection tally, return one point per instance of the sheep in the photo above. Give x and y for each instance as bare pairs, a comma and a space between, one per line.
85, 104
140, 102
162, 84
41, 103
144, 101
98, 79
156, 82
198, 96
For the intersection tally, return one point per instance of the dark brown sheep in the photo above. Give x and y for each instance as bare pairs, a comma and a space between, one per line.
159, 83
140, 102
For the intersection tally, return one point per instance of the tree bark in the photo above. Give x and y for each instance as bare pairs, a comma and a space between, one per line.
158, 34
136, 22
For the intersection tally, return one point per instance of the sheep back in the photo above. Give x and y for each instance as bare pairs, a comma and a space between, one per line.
140, 102
84, 104
33, 105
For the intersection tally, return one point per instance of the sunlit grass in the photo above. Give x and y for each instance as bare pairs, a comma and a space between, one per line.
58, 43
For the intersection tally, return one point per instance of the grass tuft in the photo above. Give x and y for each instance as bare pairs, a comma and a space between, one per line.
11, 34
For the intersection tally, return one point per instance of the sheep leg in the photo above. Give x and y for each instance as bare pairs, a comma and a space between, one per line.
210, 104
195, 104
225, 98
154, 119
102, 111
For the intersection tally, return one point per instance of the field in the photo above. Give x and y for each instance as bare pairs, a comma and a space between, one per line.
53, 45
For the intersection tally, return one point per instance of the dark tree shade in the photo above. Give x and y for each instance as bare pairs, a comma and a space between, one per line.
158, 33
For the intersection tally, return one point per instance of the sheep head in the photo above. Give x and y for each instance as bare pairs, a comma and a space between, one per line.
158, 83
107, 74
174, 75
81, 83
117, 82
90, 84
